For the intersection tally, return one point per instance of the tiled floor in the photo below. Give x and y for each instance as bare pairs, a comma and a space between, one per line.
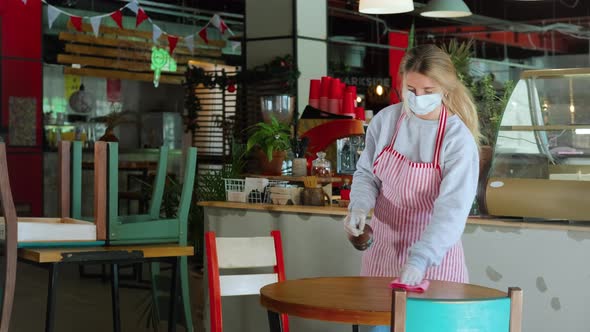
84, 304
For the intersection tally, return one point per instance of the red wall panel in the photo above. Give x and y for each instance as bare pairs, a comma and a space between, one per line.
21, 29
22, 79
22, 76
397, 39
26, 180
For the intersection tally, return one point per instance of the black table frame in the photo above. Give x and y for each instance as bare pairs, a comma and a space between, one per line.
113, 258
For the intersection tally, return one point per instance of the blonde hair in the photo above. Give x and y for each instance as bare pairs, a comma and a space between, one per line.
431, 61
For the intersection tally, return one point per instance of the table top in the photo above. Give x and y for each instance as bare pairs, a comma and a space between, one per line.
355, 300
55, 255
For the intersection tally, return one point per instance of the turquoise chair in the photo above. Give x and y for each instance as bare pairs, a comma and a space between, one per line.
151, 227
502, 314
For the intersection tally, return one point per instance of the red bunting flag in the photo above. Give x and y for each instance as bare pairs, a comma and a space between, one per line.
172, 41
76, 22
218, 23
203, 35
141, 17
117, 16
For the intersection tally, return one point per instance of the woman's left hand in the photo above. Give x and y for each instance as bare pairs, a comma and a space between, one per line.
411, 275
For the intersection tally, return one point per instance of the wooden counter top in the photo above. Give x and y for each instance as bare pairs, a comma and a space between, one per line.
340, 211
325, 210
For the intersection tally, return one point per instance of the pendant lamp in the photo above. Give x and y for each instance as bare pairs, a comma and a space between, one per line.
385, 6
446, 8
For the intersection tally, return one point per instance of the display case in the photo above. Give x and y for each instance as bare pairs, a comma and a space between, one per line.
541, 162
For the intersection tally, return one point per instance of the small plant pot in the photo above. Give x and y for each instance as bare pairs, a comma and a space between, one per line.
273, 167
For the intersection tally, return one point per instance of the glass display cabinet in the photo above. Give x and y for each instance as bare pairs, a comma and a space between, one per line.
541, 162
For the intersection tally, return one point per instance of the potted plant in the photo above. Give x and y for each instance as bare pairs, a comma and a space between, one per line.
490, 101
273, 140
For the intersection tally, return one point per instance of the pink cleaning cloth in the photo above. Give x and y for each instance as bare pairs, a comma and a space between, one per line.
420, 288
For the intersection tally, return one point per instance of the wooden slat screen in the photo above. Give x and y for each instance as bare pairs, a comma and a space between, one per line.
215, 122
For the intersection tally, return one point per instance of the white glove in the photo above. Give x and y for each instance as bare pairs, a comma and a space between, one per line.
354, 223
411, 275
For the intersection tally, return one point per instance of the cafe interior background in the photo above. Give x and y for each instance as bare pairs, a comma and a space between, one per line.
186, 73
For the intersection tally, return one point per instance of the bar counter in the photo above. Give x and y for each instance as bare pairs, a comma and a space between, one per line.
548, 260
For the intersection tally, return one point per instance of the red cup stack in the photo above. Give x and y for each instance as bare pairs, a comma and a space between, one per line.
324, 92
334, 99
314, 93
348, 105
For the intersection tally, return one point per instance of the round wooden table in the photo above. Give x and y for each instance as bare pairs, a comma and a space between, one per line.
354, 300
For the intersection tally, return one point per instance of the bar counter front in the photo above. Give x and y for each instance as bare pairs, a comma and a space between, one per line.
548, 260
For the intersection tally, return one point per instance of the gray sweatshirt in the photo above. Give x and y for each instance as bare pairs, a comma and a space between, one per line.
459, 161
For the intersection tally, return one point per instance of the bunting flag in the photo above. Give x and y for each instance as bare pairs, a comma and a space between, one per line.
141, 17
52, 14
76, 22
25, 2
218, 23
235, 45
133, 6
203, 34
117, 16
95, 22
190, 43
156, 33
172, 41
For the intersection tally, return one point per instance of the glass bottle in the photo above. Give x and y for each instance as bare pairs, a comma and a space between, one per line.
321, 166
363, 241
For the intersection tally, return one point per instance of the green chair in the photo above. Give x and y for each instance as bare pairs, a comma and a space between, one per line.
502, 314
151, 227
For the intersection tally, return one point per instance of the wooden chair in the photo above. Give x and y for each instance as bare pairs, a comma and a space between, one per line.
482, 315
237, 253
9, 244
151, 227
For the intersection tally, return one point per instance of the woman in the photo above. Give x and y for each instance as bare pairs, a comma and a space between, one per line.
419, 172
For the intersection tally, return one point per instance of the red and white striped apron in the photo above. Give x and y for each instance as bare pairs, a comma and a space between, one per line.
403, 210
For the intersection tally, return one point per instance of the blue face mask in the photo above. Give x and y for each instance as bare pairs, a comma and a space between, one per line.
424, 104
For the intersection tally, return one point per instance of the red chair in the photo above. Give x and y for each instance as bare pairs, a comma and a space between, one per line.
237, 253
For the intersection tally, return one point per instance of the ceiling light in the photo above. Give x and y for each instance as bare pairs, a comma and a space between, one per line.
446, 8
386, 6
379, 90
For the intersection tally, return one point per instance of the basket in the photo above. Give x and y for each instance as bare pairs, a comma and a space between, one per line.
235, 191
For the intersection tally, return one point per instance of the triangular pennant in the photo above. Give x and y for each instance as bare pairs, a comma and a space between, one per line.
133, 6
203, 34
76, 22
190, 42
156, 33
95, 22
141, 16
117, 16
52, 14
218, 23
172, 41
234, 45
25, 2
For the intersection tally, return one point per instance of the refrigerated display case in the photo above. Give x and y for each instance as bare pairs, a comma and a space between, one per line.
541, 162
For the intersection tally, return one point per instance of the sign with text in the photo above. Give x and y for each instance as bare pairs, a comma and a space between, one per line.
365, 81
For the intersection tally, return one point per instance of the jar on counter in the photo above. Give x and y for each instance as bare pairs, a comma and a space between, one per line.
321, 166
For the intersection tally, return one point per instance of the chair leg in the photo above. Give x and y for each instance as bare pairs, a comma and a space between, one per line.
355, 328
185, 290
155, 274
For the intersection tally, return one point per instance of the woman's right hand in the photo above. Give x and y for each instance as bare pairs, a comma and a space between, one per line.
354, 223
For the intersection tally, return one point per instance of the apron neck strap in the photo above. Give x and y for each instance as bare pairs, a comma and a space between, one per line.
442, 124
398, 124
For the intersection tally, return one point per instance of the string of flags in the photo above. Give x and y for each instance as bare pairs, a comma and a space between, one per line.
141, 16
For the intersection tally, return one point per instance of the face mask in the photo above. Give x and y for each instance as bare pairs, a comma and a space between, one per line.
424, 104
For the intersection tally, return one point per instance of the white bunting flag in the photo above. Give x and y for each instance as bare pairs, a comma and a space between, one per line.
190, 42
234, 45
157, 32
218, 23
95, 22
52, 14
133, 6
25, 2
